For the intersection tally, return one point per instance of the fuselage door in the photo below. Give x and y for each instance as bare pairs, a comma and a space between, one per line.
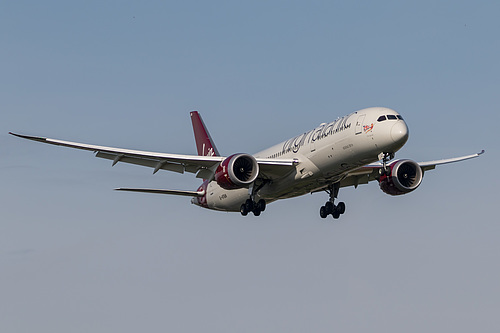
359, 124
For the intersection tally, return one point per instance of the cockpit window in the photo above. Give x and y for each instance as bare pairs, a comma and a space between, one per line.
381, 118
399, 117
391, 117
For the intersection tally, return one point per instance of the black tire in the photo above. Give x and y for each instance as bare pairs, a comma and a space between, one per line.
261, 205
322, 212
329, 207
336, 214
249, 205
243, 210
341, 208
256, 212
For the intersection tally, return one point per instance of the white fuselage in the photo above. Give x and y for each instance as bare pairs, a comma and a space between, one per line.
325, 155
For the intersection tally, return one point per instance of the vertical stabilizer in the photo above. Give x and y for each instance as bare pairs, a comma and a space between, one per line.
204, 142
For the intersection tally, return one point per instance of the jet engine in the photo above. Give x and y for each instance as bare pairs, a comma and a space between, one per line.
237, 171
404, 177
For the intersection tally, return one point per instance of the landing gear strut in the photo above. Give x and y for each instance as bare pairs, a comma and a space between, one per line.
250, 205
330, 207
385, 157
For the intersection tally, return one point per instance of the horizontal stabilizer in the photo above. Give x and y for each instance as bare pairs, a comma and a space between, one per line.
159, 191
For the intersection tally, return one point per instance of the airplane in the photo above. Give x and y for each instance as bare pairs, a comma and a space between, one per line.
350, 151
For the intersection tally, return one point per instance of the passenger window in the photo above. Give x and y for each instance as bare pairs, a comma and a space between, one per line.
391, 117
381, 118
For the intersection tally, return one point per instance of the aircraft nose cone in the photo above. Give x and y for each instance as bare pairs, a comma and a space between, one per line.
399, 132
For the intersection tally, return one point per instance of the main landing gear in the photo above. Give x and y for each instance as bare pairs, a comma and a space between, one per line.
251, 206
330, 207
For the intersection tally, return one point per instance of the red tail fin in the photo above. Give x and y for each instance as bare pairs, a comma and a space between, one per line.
204, 142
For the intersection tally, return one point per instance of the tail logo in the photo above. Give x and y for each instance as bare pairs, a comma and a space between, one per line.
210, 151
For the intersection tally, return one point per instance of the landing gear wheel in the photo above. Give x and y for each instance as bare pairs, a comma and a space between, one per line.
336, 214
249, 205
341, 208
243, 210
384, 171
323, 212
329, 207
261, 204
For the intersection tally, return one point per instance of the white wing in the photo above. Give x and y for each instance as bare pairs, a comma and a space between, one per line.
203, 166
370, 172
432, 164
160, 191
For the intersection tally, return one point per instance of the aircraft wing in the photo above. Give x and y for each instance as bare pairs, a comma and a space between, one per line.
203, 166
159, 191
370, 172
432, 164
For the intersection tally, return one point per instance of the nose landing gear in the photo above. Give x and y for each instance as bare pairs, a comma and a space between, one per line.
330, 207
385, 157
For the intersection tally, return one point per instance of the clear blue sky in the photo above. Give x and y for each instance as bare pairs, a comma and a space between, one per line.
76, 256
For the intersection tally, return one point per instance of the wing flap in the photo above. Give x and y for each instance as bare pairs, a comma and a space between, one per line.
276, 168
156, 164
358, 179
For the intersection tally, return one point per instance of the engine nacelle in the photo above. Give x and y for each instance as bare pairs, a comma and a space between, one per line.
237, 171
405, 176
